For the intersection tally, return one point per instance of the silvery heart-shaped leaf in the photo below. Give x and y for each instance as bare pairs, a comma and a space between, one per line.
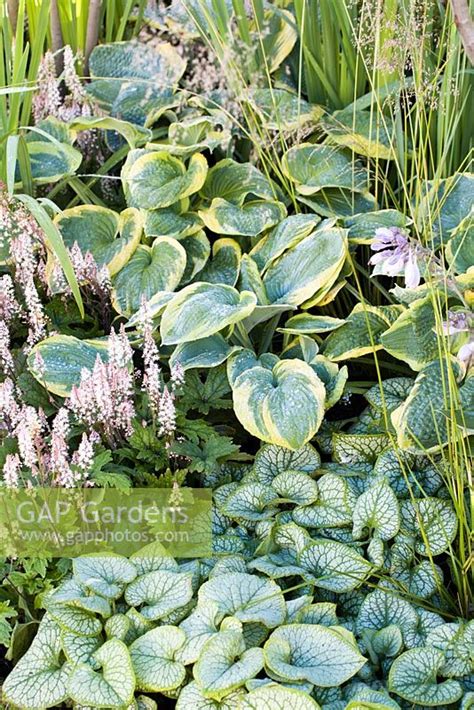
155, 180
39, 679
250, 219
234, 181
251, 502
150, 270
79, 649
118, 626
74, 619
387, 642
72, 593
153, 557
358, 448
323, 656
112, 686
277, 697
110, 237
364, 698
159, 593
224, 266
201, 625
285, 235
296, 487
201, 309
456, 640
359, 335
409, 474
336, 566
192, 696
389, 394
225, 665
433, 522
272, 460
311, 265
334, 505
206, 352
315, 166
322, 613
247, 597
153, 659
377, 511
265, 402
106, 576
385, 608
413, 677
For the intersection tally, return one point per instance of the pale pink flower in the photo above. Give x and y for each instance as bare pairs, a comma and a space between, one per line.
167, 414
9, 408
23, 252
6, 359
83, 458
177, 375
9, 306
11, 470
59, 458
28, 431
151, 360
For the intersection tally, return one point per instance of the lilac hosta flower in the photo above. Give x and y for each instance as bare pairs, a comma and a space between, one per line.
466, 355
457, 322
395, 256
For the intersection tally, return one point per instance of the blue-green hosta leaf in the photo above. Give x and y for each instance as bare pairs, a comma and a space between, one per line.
358, 448
277, 108
39, 680
149, 271
234, 181
334, 505
359, 335
112, 686
224, 266
225, 664
385, 608
333, 378
421, 422
460, 247
194, 135
389, 394
310, 266
279, 37
266, 402
106, 576
198, 251
315, 166
64, 358
377, 511
79, 649
247, 359
250, 219
251, 502
412, 338
272, 460
202, 309
153, 659
448, 202
133, 134
362, 226
413, 677
206, 352
336, 566
433, 521
138, 101
201, 625
364, 132
285, 235
159, 593
168, 222
336, 202
51, 161
192, 696
307, 324
155, 307
110, 237
277, 697
247, 597
118, 626
154, 180
323, 656
296, 487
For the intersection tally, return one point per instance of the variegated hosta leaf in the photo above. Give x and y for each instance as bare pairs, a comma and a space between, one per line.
336, 566
202, 309
448, 202
296, 487
133, 134
433, 521
333, 378
362, 226
149, 271
265, 402
153, 659
413, 677
154, 180
359, 335
245, 596
250, 219
358, 448
460, 247
310, 266
171, 222
63, 359
315, 166
272, 460
422, 421
364, 132
96, 230
279, 37
206, 352
285, 235
225, 664
194, 135
112, 686
233, 181
307, 324
277, 108
106, 576
412, 338
159, 593
277, 697
323, 656
50, 162
337, 202
39, 680
385, 608
251, 502
377, 511
334, 505
224, 266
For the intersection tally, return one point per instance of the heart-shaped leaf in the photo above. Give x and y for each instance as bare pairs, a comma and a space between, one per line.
377, 510
336, 566
159, 593
272, 460
112, 686
250, 219
413, 677
153, 659
233, 182
333, 507
315, 166
278, 697
106, 576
